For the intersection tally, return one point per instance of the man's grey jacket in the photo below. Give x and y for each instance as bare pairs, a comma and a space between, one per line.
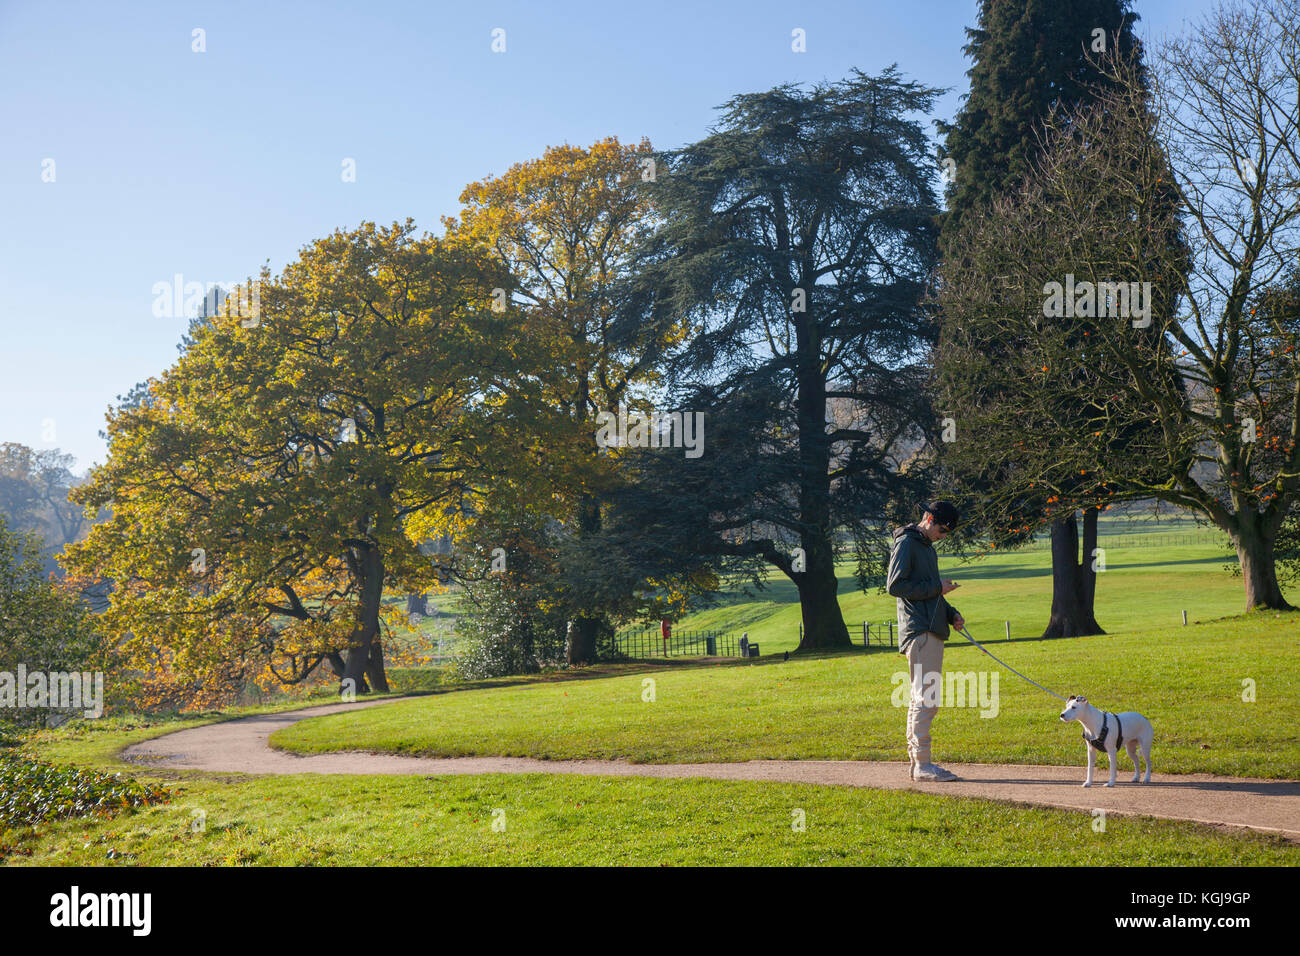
914, 580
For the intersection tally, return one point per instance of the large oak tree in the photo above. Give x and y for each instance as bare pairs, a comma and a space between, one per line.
566, 226
276, 482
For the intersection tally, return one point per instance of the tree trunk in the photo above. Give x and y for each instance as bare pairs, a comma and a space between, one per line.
354, 670
527, 642
417, 604
375, 668
823, 621
1087, 572
1255, 553
582, 635
365, 657
1074, 583
582, 640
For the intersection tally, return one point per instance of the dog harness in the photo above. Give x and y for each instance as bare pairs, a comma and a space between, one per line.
1100, 740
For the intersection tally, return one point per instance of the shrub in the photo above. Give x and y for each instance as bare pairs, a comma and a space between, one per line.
32, 791
42, 626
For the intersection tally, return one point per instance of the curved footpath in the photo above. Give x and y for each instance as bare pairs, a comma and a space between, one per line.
240, 746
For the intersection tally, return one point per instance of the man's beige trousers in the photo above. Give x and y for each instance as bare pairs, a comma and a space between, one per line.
924, 657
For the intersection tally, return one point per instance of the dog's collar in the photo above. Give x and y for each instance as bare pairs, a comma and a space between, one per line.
1100, 740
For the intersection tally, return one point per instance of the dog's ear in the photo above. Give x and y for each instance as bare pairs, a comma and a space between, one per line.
1082, 700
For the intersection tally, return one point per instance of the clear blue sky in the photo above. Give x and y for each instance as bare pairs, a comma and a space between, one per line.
208, 164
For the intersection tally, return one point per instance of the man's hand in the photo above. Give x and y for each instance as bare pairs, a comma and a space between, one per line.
958, 622
949, 586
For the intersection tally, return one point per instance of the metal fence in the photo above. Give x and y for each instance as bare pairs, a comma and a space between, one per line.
1176, 540
871, 635
650, 643
879, 635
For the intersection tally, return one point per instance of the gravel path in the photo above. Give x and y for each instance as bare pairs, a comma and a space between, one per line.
1270, 805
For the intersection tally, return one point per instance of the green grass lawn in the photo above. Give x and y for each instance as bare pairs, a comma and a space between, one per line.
97, 743
557, 820
1187, 680
357, 821
1142, 587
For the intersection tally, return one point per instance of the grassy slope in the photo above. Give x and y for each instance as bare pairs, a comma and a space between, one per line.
1187, 680
1142, 587
308, 820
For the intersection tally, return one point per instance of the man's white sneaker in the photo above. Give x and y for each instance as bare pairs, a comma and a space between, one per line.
932, 772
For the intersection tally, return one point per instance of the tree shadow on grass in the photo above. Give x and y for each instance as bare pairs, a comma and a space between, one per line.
983, 571
987, 571
590, 672
1266, 788
1161, 564
775, 590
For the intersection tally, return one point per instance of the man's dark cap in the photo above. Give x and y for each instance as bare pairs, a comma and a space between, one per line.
945, 513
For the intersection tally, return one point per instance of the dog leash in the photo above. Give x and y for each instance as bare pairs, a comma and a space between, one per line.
963, 632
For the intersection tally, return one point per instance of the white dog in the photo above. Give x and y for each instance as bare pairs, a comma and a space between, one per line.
1110, 731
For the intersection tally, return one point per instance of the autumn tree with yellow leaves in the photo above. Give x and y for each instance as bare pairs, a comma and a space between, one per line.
567, 227
277, 481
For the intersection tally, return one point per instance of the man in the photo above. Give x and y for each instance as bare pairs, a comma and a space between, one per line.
923, 619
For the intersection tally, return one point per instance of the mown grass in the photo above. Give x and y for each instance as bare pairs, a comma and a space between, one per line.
1142, 587
552, 820
307, 820
1187, 680
555, 820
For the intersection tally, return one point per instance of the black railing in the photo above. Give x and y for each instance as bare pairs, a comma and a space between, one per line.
1138, 540
879, 635
650, 642
871, 635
